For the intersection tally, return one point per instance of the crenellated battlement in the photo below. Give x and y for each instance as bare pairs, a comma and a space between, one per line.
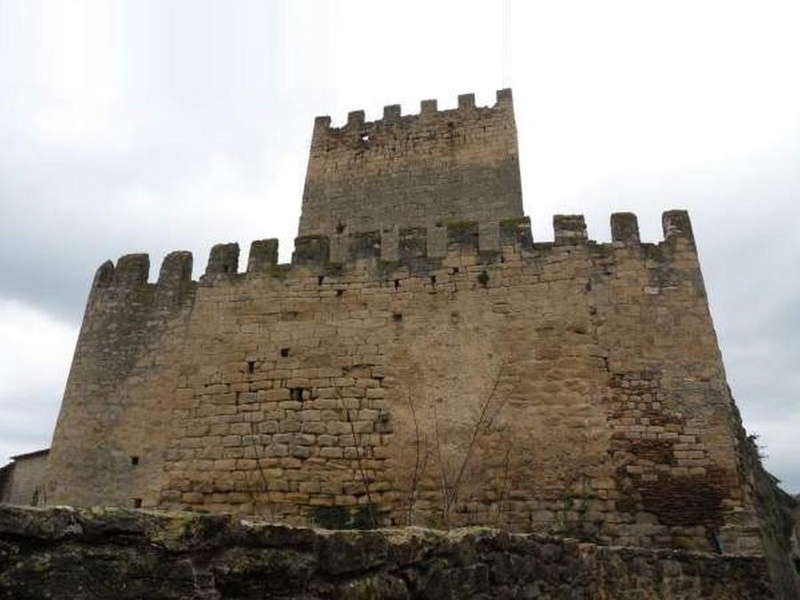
421, 169
397, 248
393, 116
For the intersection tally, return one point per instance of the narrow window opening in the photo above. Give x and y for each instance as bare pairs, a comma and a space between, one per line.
433, 279
483, 278
284, 352
296, 393
397, 284
137, 503
251, 366
397, 317
455, 270
134, 460
364, 137
339, 293
320, 279
339, 228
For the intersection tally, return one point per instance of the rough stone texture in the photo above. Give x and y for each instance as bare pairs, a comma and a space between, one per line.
125, 554
570, 387
420, 170
778, 522
22, 480
420, 362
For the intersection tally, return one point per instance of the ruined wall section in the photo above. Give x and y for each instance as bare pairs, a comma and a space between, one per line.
127, 555
404, 171
567, 387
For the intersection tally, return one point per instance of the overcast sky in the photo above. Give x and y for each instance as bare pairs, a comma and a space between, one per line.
151, 126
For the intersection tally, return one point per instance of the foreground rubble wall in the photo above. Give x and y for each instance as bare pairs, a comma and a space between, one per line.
125, 554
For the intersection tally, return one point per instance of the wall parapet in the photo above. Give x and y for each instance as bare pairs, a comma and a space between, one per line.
428, 109
403, 247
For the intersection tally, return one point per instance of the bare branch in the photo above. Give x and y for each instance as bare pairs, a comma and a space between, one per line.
445, 487
506, 483
412, 492
481, 426
359, 460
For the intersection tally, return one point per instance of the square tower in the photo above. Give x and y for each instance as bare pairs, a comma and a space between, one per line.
401, 171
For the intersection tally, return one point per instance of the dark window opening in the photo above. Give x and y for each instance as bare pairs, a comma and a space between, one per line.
339, 228
483, 278
433, 279
296, 393
284, 352
134, 460
396, 284
251, 366
320, 279
339, 293
455, 270
397, 317
137, 503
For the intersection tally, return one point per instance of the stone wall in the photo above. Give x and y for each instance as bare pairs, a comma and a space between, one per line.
413, 170
123, 554
567, 387
420, 362
22, 481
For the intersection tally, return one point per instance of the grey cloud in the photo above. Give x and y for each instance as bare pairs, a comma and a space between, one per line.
26, 424
62, 207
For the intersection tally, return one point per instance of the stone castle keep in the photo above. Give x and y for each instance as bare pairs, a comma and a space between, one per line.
421, 361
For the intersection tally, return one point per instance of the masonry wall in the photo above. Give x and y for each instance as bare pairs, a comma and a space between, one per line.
413, 170
22, 482
567, 387
114, 420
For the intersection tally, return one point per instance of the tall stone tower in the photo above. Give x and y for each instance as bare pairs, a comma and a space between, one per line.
412, 173
414, 170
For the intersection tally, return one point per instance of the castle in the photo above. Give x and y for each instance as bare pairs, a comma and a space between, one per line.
421, 361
